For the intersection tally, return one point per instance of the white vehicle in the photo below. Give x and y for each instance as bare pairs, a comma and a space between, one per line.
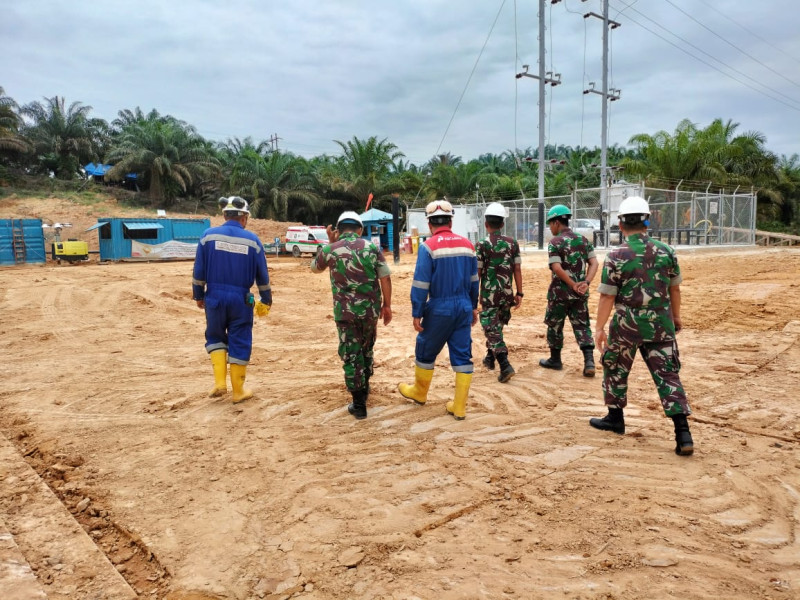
303, 239
586, 227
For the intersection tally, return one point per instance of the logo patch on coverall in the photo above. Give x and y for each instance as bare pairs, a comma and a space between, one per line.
228, 247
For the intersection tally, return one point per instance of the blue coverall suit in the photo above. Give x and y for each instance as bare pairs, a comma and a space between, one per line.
228, 260
443, 294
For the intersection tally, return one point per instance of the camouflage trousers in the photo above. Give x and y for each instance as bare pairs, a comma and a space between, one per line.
577, 309
664, 363
493, 320
356, 340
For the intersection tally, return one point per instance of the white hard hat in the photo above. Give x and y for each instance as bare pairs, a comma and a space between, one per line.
234, 204
495, 209
439, 208
633, 205
349, 216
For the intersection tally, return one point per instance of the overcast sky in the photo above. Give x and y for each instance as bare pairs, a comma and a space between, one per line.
314, 71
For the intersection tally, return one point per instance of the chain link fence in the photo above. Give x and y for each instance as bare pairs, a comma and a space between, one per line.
677, 217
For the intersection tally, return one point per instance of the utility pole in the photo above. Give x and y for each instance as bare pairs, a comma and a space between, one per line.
273, 142
608, 95
544, 78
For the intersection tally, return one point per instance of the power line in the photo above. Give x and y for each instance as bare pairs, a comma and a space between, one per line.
732, 44
463, 93
469, 79
754, 34
712, 57
619, 12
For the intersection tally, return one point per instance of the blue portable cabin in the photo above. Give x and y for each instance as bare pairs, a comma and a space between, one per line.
21, 242
116, 233
378, 223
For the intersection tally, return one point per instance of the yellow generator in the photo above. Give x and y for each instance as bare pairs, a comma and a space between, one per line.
71, 251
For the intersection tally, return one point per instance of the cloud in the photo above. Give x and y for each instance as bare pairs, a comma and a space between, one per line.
312, 72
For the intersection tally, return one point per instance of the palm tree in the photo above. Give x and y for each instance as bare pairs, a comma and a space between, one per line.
234, 147
781, 201
127, 117
714, 154
743, 156
443, 159
63, 137
279, 184
167, 153
580, 168
365, 167
459, 182
498, 164
10, 140
665, 159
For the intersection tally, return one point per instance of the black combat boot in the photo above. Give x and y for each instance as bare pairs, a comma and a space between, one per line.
506, 370
588, 362
613, 421
358, 407
488, 361
554, 362
684, 445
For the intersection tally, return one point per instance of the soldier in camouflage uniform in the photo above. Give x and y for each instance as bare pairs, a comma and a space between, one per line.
573, 263
359, 277
642, 279
498, 262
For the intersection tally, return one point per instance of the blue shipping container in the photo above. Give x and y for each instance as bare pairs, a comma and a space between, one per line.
116, 234
21, 241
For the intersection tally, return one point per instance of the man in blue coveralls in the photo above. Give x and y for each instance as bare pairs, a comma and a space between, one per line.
444, 306
228, 260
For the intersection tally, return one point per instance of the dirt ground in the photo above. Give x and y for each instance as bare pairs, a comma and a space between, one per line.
104, 394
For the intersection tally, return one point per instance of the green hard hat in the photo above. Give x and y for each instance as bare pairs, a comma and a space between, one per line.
559, 210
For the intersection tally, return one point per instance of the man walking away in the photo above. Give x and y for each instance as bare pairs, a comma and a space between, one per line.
641, 285
573, 264
228, 261
444, 307
360, 277
499, 263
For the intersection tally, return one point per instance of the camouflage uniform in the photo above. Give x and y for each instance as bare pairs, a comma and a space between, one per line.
572, 251
497, 256
639, 273
355, 266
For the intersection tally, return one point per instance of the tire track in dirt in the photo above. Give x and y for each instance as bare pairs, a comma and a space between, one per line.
274, 493
579, 459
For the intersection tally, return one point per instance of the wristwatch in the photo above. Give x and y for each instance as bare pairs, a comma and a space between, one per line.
520, 294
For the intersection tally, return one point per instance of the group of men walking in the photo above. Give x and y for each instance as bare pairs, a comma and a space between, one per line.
455, 285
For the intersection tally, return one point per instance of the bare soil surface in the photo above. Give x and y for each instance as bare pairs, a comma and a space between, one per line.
104, 397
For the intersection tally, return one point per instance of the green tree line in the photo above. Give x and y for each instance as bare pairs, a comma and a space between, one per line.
173, 162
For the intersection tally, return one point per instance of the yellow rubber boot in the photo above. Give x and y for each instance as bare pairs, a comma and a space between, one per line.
237, 383
422, 383
458, 405
219, 361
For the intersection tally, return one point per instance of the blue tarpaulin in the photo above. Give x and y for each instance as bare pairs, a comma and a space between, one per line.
96, 170
101, 170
